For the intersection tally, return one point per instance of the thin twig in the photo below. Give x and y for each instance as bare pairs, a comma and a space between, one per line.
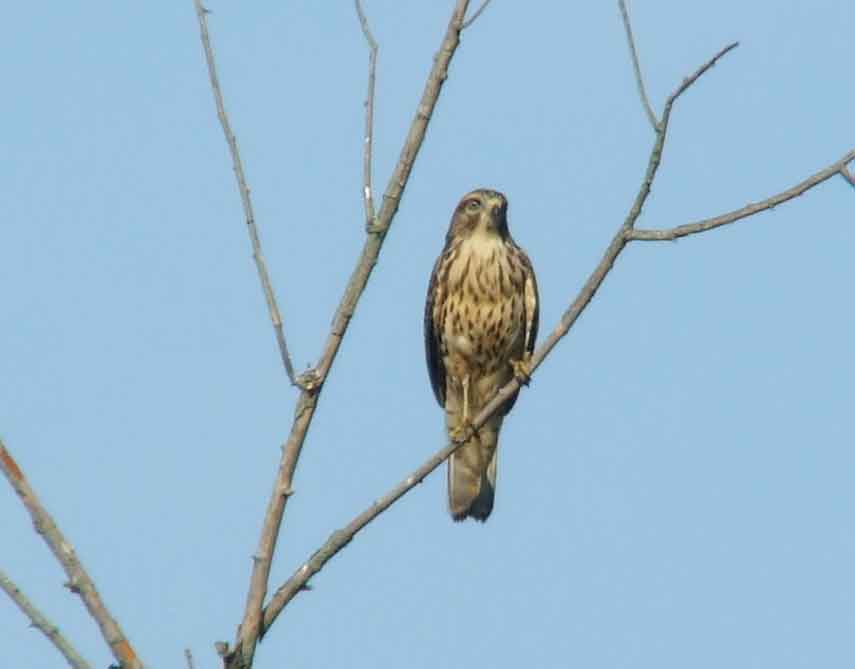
41, 623
639, 80
697, 74
468, 22
188, 655
846, 174
252, 627
367, 194
79, 581
246, 200
746, 211
661, 134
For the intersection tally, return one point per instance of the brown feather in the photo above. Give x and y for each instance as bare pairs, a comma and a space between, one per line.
481, 314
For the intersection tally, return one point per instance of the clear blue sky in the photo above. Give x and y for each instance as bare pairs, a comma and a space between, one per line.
675, 488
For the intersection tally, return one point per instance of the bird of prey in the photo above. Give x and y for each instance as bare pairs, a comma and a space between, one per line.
481, 321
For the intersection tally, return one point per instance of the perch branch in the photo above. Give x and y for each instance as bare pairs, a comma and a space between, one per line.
367, 194
41, 623
468, 22
636, 66
246, 200
252, 627
846, 174
79, 581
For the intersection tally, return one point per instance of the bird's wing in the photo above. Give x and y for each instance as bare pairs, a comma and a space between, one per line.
433, 354
532, 304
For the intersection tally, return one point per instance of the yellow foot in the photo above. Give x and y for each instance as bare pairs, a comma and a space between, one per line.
522, 369
460, 432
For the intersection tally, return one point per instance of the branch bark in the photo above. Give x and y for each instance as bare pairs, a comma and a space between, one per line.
79, 581
245, 198
255, 624
41, 623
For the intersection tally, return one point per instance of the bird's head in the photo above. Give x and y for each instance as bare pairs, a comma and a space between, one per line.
482, 211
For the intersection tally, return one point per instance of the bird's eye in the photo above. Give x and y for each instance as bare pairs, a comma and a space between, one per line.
473, 205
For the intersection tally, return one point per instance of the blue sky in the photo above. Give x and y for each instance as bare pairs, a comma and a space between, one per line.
675, 488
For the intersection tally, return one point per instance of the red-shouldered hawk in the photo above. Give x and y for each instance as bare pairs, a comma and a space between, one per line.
481, 321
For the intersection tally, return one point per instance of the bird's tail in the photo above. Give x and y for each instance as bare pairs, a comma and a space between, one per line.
472, 471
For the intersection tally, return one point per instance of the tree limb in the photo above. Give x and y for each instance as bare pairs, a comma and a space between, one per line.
253, 627
41, 623
746, 211
636, 66
846, 174
79, 581
367, 195
246, 200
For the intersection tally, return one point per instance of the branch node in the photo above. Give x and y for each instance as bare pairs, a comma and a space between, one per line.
309, 381
374, 227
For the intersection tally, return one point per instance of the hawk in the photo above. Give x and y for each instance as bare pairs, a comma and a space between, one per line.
481, 321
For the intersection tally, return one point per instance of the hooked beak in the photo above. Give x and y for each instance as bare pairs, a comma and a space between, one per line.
499, 214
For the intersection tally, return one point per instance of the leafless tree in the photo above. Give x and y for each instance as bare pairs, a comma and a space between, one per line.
263, 608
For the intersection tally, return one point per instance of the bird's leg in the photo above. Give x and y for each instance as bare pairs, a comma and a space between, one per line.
465, 423
522, 369
465, 385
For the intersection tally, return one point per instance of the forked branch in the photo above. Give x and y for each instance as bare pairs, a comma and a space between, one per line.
79, 581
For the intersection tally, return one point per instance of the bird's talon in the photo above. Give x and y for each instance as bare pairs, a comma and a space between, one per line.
460, 432
522, 370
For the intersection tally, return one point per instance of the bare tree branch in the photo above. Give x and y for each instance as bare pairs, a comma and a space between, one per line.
246, 200
746, 211
846, 174
41, 623
468, 22
79, 581
367, 194
659, 144
625, 233
253, 627
639, 80
188, 656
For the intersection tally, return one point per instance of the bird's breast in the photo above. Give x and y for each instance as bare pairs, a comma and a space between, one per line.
482, 313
